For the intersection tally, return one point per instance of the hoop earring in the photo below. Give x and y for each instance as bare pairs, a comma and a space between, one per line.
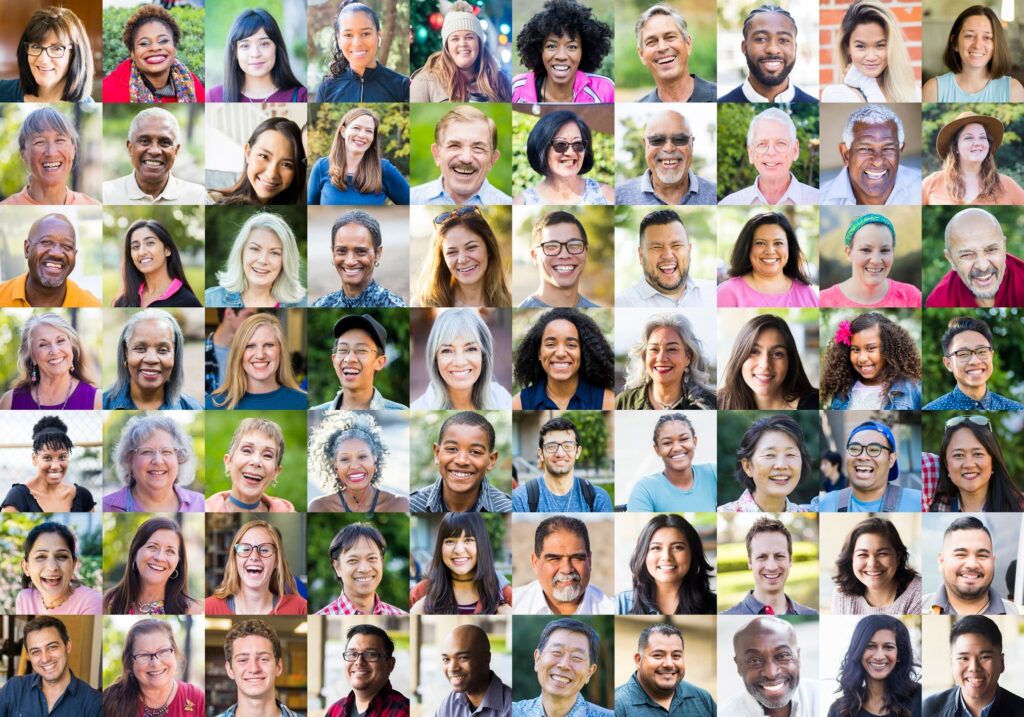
174, 575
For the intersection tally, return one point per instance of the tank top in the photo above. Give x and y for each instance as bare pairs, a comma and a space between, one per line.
997, 90
81, 399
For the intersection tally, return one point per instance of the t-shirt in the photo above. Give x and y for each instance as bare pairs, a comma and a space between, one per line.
281, 398
865, 397
899, 296
910, 502
656, 494
571, 502
736, 292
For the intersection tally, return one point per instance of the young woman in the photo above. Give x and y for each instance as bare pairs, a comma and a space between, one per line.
767, 267
461, 579
463, 70
151, 271
48, 491
967, 146
465, 267
764, 371
155, 580
973, 475
253, 462
256, 65
259, 374
355, 75
872, 363
257, 579
356, 172
873, 573
49, 583
54, 60
560, 149
460, 362
878, 676
274, 170
870, 245
682, 485
671, 574
263, 267
771, 461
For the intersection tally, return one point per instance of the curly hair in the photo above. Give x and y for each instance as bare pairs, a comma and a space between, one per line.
695, 595
739, 261
902, 358
900, 684
145, 14
846, 582
338, 426
1003, 494
564, 18
597, 359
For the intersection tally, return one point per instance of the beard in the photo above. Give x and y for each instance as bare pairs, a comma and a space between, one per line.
567, 588
766, 79
654, 279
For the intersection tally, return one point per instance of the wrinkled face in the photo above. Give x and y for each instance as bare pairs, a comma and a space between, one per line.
871, 254
563, 668
354, 464
153, 149
359, 133
765, 369
354, 257
868, 48
466, 661
149, 255
48, 654
464, 155
875, 562
977, 665
463, 457
464, 48
50, 251
49, 156
666, 356
769, 251
660, 667
967, 563
772, 150
770, 561
158, 558
972, 142
668, 556
256, 571
668, 147
357, 360
977, 253
976, 42
872, 160
559, 461
866, 355
262, 258
563, 567
562, 270
360, 569
675, 444
153, 50
973, 372
48, 72
770, 48
50, 566
157, 663
358, 38
253, 465
155, 464
561, 57
465, 255
459, 555
149, 351
880, 655
51, 464
768, 660
663, 49
665, 255
262, 355
365, 676
256, 54
560, 352
865, 473
51, 350
570, 162
460, 362
969, 463
270, 165
252, 666
775, 465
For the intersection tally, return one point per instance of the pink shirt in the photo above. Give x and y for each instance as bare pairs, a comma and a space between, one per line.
83, 601
899, 296
23, 197
737, 292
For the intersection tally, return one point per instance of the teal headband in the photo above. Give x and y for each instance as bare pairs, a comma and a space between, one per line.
860, 221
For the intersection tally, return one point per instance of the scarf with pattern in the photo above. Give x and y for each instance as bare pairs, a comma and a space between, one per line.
180, 79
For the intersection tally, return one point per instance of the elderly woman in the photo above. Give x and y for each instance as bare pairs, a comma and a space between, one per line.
967, 146
152, 274
50, 586
48, 491
561, 46
356, 249
873, 573
48, 144
155, 577
973, 474
346, 457
257, 579
767, 267
253, 463
153, 460
150, 365
564, 362
54, 60
273, 169
355, 75
560, 149
54, 372
870, 245
764, 370
152, 72
262, 268
465, 267
771, 461
667, 369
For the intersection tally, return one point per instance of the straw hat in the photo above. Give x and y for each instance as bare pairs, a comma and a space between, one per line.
992, 126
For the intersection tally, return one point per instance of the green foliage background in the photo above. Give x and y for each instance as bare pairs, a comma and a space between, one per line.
1006, 426
933, 230
523, 10
734, 578
222, 13
223, 223
191, 49
523, 175
425, 435
1010, 156
117, 119
601, 688
424, 118
392, 134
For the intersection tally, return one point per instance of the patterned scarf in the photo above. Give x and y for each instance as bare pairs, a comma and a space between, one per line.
180, 79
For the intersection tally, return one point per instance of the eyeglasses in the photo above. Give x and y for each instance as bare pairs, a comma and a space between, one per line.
460, 212
872, 449
561, 146
54, 51
144, 658
167, 454
361, 352
265, 550
567, 446
984, 353
976, 420
368, 656
781, 146
679, 140
554, 248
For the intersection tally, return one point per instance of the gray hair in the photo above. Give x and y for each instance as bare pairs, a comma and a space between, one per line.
287, 288
81, 366
661, 10
871, 115
466, 324
636, 368
338, 426
772, 114
159, 113
363, 219
46, 119
139, 428
175, 384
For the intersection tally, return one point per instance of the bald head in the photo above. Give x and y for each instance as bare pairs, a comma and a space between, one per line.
668, 148
760, 626
466, 659
976, 250
965, 222
44, 224
768, 660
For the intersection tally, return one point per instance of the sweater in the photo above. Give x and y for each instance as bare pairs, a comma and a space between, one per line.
906, 603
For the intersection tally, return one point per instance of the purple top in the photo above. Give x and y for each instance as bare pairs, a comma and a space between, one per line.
83, 398
291, 94
189, 501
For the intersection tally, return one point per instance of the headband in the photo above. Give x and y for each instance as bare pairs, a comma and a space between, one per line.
856, 224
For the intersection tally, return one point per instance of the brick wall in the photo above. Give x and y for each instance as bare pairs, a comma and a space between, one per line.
908, 14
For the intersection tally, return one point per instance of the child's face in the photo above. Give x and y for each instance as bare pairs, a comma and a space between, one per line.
866, 355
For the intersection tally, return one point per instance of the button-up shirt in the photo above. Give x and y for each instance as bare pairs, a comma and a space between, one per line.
389, 702
906, 190
640, 190
343, 606
23, 697
688, 701
373, 296
377, 403
750, 605
957, 400
431, 499
529, 600
497, 702
698, 293
581, 708
126, 190
753, 95
435, 193
285, 712
796, 193
962, 710
746, 504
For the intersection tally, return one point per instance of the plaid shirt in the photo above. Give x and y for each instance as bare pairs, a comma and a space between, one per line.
343, 606
212, 367
389, 702
929, 479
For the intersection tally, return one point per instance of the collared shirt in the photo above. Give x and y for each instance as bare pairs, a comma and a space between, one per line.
529, 600
373, 296
431, 499
23, 697
640, 190
389, 702
688, 701
796, 193
497, 701
122, 401
434, 193
285, 712
906, 190
12, 295
937, 603
963, 711
803, 702
377, 402
752, 95
580, 708
699, 292
343, 606
750, 605
746, 504
957, 400
126, 190
120, 501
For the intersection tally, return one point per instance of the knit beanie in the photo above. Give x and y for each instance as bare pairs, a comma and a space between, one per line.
461, 17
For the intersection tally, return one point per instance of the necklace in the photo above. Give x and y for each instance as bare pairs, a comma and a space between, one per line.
67, 396
64, 598
244, 506
658, 404
157, 711
156, 607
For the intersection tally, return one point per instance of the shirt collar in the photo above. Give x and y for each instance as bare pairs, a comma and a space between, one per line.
494, 697
435, 498
646, 185
646, 291
376, 400
438, 193
752, 95
171, 191
172, 288
962, 706
957, 395
351, 609
790, 193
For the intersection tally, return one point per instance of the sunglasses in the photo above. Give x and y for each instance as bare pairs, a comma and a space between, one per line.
460, 212
679, 140
561, 146
976, 420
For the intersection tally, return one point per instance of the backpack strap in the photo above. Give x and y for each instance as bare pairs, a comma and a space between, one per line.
843, 500
891, 499
533, 494
589, 493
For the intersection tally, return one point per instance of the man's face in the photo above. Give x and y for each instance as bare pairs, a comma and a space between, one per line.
563, 567
357, 360
360, 569
977, 253
464, 155
972, 372
564, 269
660, 666
363, 675
769, 561
770, 48
668, 147
466, 660
967, 563
768, 660
354, 257
153, 149
50, 251
663, 50
252, 666
977, 665
463, 457
234, 317
772, 150
563, 668
872, 160
665, 255
48, 654
554, 458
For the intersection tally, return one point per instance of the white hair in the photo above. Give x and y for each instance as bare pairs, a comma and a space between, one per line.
650, 12
772, 114
163, 114
287, 288
871, 115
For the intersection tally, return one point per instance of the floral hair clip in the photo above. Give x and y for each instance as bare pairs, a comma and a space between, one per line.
843, 333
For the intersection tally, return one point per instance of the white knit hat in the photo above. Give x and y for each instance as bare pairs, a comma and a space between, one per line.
461, 17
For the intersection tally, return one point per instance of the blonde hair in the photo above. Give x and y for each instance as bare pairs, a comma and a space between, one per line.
897, 80
259, 425
282, 581
287, 288
437, 286
369, 177
235, 385
81, 366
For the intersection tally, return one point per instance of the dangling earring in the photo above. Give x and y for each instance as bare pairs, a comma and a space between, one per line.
33, 373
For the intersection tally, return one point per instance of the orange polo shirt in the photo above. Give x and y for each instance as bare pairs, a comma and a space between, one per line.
12, 294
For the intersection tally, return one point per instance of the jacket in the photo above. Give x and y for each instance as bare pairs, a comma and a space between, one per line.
947, 704
115, 86
424, 87
586, 88
218, 296
378, 84
904, 395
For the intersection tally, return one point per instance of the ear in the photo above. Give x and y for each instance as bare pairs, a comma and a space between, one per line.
636, 659
437, 452
492, 459
844, 153
227, 461
247, 150
495, 157
436, 152
945, 253
378, 363
745, 465
26, 248
24, 566
231, 673
892, 458
847, 249
946, 361
534, 560
280, 668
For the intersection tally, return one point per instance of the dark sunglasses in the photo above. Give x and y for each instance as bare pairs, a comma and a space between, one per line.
460, 212
679, 140
561, 146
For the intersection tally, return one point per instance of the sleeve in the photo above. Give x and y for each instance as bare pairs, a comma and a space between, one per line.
16, 498
603, 501
867, 86
395, 185
83, 502
726, 296
315, 180
321, 91
200, 90
640, 499
404, 97
419, 90
519, 500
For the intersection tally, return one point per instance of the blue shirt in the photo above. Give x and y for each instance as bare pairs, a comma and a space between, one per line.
581, 708
285, 712
219, 297
532, 302
688, 701
910, 502
571, 502
281, 398
640, 190
434, 193
957, 400
904, 395
23, 697
587, 397
123, 401
373, 296
321, 190
656, 494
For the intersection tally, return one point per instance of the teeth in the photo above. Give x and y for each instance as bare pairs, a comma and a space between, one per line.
562, 269
460, 474
465, 171
876, 175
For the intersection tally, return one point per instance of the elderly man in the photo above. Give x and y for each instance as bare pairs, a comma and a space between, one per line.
565, 660
668, 149
767, 658
772, 148
252, 659
50, 250
769, 557
360, 342
466, 664
561, 560
560, 254
657, 686
154, 139
769, 44
369, 661
664, 45
465, 148
559, 489
872, 141
357, 556
968, 352
982, 273
968, 565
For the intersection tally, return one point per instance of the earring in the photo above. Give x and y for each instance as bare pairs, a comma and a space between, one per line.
33, 373
174, 575
376, 264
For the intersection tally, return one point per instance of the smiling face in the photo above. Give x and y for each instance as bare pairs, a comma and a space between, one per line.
868, 49
874, 563
972, 143
463, 457
872, 160
262, 355
270, 165
459, 555
867, 474
880, 656
155, 463
563, 567
464, 155
967, 563
255, 571
155, 674
357, 360
769, 561
969, 463
660, 666
775, 465
768, 660
49, 156
48, 654
560, 462
675, 443
156, 560
977, 665
764, 370
560, 352
252, 466
668, 557
772, 150
253, 667
354, 257
48, 72
770, 48
153, 51
466, 660
769, 251
51, 464
360, 569
563, 270
358, 38
977, 253
663, 50
569, 163
666, 356
153, 149
256, 54
368, 677
463, 47
51, 350
665, 255
563, 668
670, 163
871, 254
149, 255
354, 464
465, 255
976, 42
358, 134
460, 362
561, 57
50, 251
974, 373
50, 566
262, 258
149, 351
866, 355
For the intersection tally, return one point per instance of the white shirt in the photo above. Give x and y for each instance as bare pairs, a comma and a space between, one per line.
498, 397
699, 293
752, 95
796, 193
529, 600
907, 189
125, 190
804, 702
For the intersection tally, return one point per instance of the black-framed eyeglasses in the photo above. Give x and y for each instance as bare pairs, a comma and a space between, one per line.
367, 655
265, 550
460, 212
984, 353
568, 446
34, 49
872, 449
554, 248
976, 420
562, 146
679, 140
145, 658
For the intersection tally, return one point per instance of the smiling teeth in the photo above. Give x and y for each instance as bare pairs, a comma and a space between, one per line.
876, 175
562, 269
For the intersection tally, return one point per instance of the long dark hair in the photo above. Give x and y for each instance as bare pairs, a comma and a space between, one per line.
440, 597
739, 261
695, 596
1003, 496
132, 278
735, 394
246, 24
847, 582
58, 529
120, 598
121, 699
242, 191
901, 685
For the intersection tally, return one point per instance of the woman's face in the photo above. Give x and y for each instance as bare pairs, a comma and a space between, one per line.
358, 134
255, 571
51, 464
49, 156
969, 463
256, 54
976, 42
354, 464
561, 57
868, 49
158, 557
262, 355
880, 655
253, 465
52, 351
459, 555
871, 254
972, 142
666, 356
775, 465
150, 354
354, 257
262, 258
675, 444
50, 566
764, 370
465, 255
358, 38
153, 51
48, 72
874, 562
560, 351
668, 556
769, 251
156, 672
270, 165
569, 163
149, 255
460, 362
866, 354
464, 48
155, 462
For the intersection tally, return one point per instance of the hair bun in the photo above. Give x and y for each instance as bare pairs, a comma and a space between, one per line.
49, 423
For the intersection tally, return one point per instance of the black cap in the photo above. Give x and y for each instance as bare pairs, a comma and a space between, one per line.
365, 322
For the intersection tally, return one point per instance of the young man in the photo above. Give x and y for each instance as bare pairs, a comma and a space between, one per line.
560, 254
369, 661
769, 557
466, 664
252, 658
657, 686
769, 46
559, 491
968, 565
358, 356
357, 555
968, 352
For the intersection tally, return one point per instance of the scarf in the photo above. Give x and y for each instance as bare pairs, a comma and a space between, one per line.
180, 79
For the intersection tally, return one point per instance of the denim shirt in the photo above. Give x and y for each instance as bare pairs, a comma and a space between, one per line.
122, 401
219, 297
904, 395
